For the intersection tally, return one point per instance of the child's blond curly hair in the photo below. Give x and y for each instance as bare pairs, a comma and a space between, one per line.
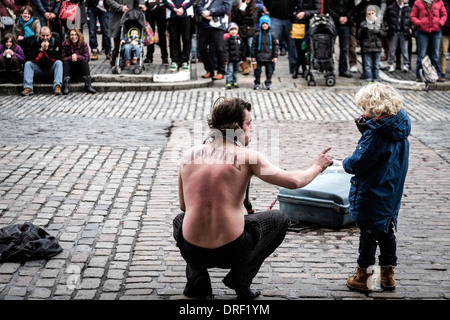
380, 99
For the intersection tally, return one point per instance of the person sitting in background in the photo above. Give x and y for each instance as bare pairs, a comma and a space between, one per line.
45, 59
75, 56
11, 56
26, 28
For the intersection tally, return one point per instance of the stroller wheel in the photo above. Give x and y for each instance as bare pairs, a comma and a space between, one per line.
330, 81
137, 70
118, 70
114, 70
312, 82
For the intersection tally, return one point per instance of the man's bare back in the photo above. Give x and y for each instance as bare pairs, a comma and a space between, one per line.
213, 179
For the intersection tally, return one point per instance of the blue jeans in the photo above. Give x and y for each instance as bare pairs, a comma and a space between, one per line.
372, 65
428, 42
103, 19
130, 52
232, 71
282, 30
31, 69
343, 33
368, 242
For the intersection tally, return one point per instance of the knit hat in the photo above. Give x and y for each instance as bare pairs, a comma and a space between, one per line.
264, 19
233, 25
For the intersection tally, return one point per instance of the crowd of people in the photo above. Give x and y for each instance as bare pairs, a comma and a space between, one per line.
383, 29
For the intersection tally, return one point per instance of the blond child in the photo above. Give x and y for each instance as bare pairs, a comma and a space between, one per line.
379, 165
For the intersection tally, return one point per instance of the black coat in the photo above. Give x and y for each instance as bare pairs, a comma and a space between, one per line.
310, 7
340, 8
370, 39
263, 51
234, 49
392, 21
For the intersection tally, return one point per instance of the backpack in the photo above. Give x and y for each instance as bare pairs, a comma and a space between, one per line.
428, 72
149, 35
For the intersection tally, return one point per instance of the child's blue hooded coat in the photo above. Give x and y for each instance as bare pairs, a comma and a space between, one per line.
379, 164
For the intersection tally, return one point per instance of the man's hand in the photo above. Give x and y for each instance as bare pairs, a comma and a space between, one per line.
323, 160
124, 9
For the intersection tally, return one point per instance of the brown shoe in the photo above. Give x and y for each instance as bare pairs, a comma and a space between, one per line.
27, 92
207, 75
127, 63
57, 90
218, 76
387, 278
361, 281
94, 55
135, 60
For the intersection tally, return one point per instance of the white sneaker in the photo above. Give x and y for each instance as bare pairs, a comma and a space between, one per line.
405, 68
391, 68
173, 67
185, 67
353, 69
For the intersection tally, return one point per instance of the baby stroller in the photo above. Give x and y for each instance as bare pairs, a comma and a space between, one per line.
133, 18
322, 35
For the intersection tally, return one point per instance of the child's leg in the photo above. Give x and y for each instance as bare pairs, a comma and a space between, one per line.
270, 68
368, 66
229, 73
393, 41
127, 52
388, 247
367, 248
235, 72
376, 65
258, 73
403, 43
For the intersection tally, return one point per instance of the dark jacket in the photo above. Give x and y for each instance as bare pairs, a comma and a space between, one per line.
19, 243
397, 19
43, 6
281, 9
82, 51
245, 19
265, 45
446, 28
370, 36
340, 8
46, 58
219, 10
310, 7
185, 4
234, 49
379, 164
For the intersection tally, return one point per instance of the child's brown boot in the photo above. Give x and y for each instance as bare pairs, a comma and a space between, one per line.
387, 278
362, 280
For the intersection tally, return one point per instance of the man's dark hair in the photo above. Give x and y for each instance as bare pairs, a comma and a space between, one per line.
228, 113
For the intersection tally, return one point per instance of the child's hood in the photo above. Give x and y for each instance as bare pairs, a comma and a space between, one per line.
397, 127
131, 29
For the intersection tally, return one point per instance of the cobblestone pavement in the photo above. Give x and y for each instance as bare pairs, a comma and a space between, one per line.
99, 172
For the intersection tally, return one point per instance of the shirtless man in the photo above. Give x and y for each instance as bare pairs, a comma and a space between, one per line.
213, 230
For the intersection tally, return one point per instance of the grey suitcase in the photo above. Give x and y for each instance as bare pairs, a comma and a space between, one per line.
323, 202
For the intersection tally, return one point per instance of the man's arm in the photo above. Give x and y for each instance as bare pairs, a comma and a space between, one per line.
268, 172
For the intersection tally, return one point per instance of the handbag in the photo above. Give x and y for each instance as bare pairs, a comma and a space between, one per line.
149, 35
298, 31
7, 21
68, 11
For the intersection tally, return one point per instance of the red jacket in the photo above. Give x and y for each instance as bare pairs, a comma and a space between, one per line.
428, 19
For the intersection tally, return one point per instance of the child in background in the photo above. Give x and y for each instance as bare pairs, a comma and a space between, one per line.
379, 164
369, 35
265, 49
233, 53
11, 56
131, 47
